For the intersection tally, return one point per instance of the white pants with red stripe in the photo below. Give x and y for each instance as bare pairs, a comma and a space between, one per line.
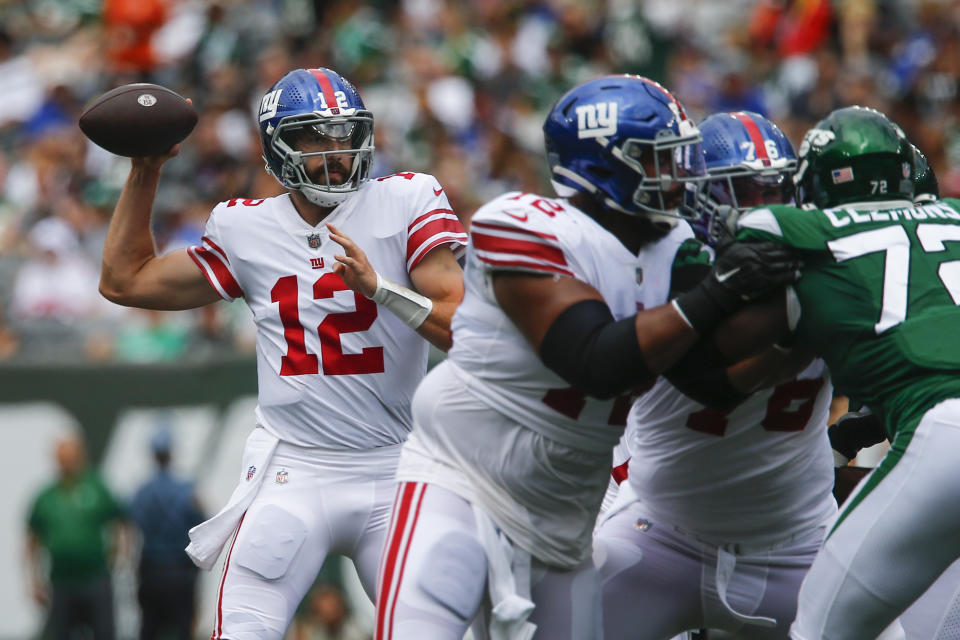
436, 579
312, 502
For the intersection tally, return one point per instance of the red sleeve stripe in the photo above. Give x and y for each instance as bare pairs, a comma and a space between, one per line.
445, 213
516, 265
216, 272
486, 226
448, 220
457, 242
431, 228
523, 248
213, 245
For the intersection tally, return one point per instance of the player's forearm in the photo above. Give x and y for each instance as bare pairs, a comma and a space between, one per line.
664, 337
129, 243
436, 328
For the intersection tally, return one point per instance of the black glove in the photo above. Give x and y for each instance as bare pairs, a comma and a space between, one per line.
744, 271
854, 431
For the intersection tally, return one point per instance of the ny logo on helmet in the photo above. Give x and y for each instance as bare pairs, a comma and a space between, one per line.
596, 120
269, 104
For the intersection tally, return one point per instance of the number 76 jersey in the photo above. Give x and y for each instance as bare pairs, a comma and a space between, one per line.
334, 370
877, 298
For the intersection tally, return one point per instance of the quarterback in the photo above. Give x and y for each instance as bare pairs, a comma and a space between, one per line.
878, 301
505, 470
345, 276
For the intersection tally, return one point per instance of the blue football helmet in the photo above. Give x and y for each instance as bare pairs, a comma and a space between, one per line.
626, 141
750, 162
316, 112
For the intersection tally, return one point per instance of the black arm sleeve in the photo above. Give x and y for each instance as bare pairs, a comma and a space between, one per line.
596, 354
702, 375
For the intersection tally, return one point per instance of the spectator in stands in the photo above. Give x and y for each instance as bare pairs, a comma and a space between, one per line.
164, 509
70, 521
57, 282
327, 617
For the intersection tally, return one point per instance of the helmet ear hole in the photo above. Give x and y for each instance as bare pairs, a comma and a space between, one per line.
600, 172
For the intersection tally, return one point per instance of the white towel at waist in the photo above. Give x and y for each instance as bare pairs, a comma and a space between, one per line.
207, 538
508, 579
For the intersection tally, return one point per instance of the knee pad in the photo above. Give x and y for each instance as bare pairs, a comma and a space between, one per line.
457, 575
269, 546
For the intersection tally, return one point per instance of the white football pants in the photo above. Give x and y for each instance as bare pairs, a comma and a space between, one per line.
312, 502
659, 581
442, 570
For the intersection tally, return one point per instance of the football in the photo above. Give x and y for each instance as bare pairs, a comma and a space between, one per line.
138, 119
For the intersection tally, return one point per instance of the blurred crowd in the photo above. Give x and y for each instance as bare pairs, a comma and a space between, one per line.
458, 89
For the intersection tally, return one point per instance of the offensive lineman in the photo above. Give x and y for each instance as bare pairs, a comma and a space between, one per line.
728, 493
504, 472
336, 372
878, 301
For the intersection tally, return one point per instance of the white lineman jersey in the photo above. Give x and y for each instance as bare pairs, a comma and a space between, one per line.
528, 233
763, 469
492, 423
334, 370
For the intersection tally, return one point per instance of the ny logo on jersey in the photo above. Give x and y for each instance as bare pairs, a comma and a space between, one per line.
596, 120
269, 105
316, 263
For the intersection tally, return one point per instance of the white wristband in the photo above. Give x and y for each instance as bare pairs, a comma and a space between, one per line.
408, 305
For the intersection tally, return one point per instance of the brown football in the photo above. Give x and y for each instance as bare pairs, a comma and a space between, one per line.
139, 119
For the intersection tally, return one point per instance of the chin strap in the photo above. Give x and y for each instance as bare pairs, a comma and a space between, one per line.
406, 304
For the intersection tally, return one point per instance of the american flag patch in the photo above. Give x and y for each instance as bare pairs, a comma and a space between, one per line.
842, 175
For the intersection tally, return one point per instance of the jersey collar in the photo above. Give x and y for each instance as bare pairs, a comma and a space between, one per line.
877, 205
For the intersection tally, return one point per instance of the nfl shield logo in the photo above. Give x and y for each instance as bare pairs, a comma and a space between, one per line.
639, 275
282, 477
314, 240
251, 471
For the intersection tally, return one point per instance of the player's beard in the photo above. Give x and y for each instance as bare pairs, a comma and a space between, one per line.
337, 170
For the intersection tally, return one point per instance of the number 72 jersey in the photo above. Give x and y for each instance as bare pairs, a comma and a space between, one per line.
334, 370
877, 298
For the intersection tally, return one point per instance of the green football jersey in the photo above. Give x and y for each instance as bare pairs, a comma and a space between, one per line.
877, 298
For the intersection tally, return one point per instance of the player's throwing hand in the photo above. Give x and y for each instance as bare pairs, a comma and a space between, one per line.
353, 266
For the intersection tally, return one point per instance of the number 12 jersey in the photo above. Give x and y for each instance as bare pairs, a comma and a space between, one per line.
334, 370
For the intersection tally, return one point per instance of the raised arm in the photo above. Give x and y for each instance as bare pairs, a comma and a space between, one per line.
132, 274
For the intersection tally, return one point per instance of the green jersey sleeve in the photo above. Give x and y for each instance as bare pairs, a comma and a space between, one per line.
878, 295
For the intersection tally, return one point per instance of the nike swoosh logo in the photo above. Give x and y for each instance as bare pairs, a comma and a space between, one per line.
437, 192
522, 218
723, 277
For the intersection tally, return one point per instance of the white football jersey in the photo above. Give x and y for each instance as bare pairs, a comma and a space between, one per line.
763, 469
529, 233
334, 370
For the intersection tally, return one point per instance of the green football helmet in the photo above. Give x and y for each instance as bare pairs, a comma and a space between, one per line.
925, 186
855, 154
